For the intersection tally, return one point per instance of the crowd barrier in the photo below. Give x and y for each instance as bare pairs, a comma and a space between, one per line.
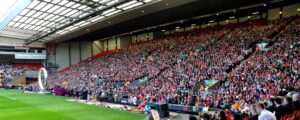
189, 109
186, 108
172, 107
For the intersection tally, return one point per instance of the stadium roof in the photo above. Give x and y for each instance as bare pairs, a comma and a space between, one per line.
46, 19
68, 20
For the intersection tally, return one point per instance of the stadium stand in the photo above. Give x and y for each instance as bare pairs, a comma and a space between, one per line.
245, 70
171, 64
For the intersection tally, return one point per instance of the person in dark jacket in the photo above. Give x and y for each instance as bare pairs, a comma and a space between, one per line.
272, 105
288, 104
254, 113
296, 101
280, 109
222, 115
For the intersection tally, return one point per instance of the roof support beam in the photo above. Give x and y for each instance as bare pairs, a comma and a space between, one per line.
92, 14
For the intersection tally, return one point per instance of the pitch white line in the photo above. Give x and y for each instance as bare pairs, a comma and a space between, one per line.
34, 106
3, 95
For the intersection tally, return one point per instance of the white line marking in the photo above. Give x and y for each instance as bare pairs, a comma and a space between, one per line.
3, 95
34, 106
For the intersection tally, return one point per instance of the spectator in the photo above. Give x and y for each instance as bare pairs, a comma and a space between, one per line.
288, 104
272, 105
280, 109
254, 113
296, 101
263, 113
221, 115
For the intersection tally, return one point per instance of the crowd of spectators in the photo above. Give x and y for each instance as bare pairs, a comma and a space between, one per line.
10, 73
174, 64
268, 75
276, 108
190, 64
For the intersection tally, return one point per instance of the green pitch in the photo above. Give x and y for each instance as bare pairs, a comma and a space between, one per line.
15, 105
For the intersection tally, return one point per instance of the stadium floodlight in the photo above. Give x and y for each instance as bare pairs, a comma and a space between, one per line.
112, 2
82, 23
97, 18
113, 13
133, 5
148, 1
255, 13
70, 28
109, 11
127, 4
61, 32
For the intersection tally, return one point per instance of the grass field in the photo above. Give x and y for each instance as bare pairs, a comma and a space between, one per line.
15, 105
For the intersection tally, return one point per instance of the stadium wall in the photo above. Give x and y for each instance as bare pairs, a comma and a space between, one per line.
75, 52
287, 11
143, 37
124, 41
86, 50
62, 54
97, 47
291, 10
68, 53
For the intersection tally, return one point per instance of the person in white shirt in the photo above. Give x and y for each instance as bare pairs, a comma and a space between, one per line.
264, 114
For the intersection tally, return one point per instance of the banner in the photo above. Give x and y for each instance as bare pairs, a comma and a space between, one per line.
30, 56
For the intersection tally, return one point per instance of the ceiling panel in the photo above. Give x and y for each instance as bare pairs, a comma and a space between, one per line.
42, 16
